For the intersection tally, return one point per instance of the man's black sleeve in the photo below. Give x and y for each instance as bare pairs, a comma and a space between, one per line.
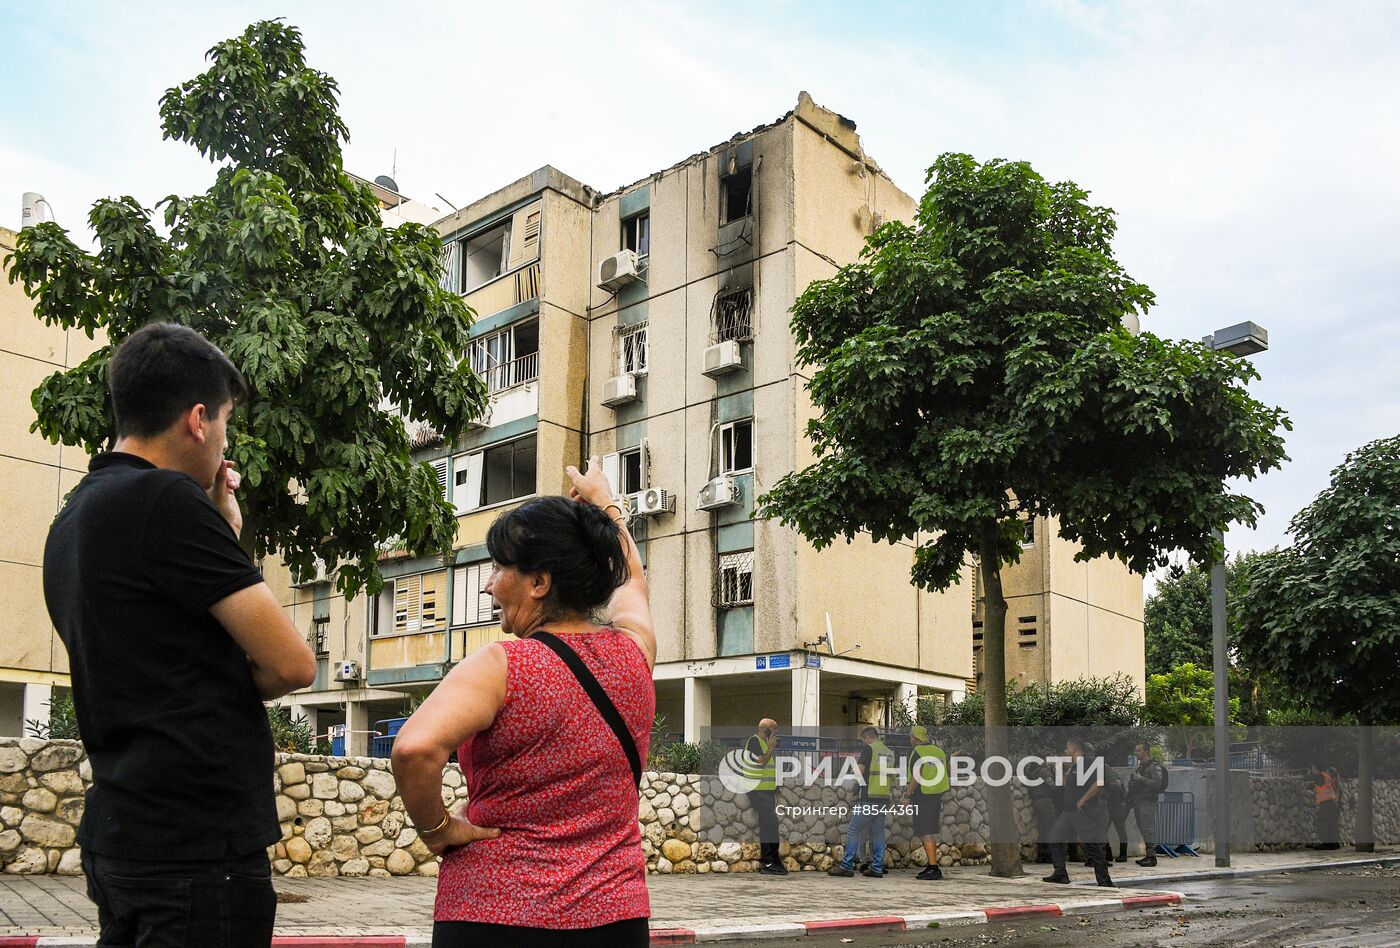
865, 758
190, 552
752, 748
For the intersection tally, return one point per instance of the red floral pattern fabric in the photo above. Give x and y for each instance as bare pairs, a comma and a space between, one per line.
551, 775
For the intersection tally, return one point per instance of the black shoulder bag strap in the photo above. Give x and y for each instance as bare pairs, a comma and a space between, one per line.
600, 698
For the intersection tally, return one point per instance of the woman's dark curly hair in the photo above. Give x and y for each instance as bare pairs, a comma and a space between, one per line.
577, 544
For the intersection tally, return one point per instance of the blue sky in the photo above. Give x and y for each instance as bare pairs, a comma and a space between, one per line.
1249, 148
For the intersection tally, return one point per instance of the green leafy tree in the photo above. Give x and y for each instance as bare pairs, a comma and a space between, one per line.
293, 735
1184, 698
1323, 615
285, 265
973, 370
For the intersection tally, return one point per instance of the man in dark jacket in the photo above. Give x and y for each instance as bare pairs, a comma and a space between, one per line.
1084, 815
1144, 785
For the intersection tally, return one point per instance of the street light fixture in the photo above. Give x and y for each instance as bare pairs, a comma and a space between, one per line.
1242, 339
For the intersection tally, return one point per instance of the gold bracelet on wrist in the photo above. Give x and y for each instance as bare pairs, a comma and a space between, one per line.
446, 818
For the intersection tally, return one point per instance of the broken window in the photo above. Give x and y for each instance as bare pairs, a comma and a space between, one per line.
636, 233
736, 579
484, 256
734, 315
736, 195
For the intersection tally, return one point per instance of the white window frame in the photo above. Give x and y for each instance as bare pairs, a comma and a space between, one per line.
734, 570
632, 223
412, 606
727, 450
470, 470
613, 467
632, 340
471, 604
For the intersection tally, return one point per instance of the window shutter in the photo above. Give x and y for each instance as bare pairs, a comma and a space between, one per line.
460, 576
612, 470
434, 603
473, 498
485, 603
408, 604
440, 471
525, 236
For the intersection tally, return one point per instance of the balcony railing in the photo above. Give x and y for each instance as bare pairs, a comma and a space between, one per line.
512, 373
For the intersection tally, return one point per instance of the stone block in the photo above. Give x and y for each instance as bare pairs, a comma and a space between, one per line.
377, 811
318, 833
322, 865
47, 832
351, 773
298, 850
292, 773
368, 834
55, 757
344, 848
297, 791
324, 786
311, 807
12, 760
40, 800
399, 863
355, 867
351, 792
30, 862
63, 782
70, 863
380, 784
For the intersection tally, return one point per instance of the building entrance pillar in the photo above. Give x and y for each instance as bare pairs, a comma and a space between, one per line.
806, 697
697, 708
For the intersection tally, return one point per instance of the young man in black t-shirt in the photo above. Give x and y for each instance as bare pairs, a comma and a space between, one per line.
174, 641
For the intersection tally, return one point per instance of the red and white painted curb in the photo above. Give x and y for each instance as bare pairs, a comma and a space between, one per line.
692, 936
997, 913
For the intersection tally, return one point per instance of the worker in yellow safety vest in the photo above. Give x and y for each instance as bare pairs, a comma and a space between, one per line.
761, 765
876, 762
928, 781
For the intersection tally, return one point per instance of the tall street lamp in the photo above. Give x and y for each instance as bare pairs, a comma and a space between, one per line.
1244, 339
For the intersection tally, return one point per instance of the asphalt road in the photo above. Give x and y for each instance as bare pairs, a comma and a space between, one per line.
1355, 907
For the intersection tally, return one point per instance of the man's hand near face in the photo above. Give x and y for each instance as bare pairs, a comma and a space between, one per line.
226, 483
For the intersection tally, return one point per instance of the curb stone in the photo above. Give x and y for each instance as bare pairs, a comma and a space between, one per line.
1213, 873
692, 936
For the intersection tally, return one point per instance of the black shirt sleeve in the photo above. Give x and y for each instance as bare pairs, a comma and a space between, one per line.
752, 748
189, 550
865, 758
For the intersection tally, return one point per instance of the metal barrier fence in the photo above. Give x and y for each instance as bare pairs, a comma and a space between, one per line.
1176, 824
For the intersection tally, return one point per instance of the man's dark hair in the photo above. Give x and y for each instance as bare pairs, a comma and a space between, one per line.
1143, 744
162, 371
868, 730
578, 545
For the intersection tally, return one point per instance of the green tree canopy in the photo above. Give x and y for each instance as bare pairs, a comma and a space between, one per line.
1177, 618
973, 369
1184, 697
285, 265
1323, 615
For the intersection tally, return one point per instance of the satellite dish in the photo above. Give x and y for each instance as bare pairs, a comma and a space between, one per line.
384, 181
830, 636
1132, 324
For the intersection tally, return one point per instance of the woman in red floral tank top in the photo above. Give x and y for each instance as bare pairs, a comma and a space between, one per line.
547, 851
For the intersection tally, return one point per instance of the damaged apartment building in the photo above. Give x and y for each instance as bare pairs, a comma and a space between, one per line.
650, 326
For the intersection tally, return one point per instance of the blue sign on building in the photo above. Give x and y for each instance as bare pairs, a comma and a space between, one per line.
760, 662
779, 661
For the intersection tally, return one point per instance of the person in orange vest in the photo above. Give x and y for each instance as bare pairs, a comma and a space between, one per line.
1326, 790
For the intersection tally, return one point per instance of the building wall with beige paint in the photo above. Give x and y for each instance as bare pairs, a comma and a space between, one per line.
35, 476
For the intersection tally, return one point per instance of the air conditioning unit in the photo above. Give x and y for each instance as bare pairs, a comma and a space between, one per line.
620, 390
481, 422
653, 502
348, 671
617, 271
723, 491
723, 357
320, 576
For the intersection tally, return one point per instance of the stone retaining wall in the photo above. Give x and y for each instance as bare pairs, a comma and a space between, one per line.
344, 816
1284, 813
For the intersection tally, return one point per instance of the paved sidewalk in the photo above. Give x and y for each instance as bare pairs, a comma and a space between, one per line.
57, 905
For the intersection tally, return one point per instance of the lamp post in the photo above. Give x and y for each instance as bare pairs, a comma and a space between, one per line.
1244, 339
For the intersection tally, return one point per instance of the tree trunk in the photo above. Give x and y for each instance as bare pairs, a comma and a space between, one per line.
1004, 838
1365, 828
